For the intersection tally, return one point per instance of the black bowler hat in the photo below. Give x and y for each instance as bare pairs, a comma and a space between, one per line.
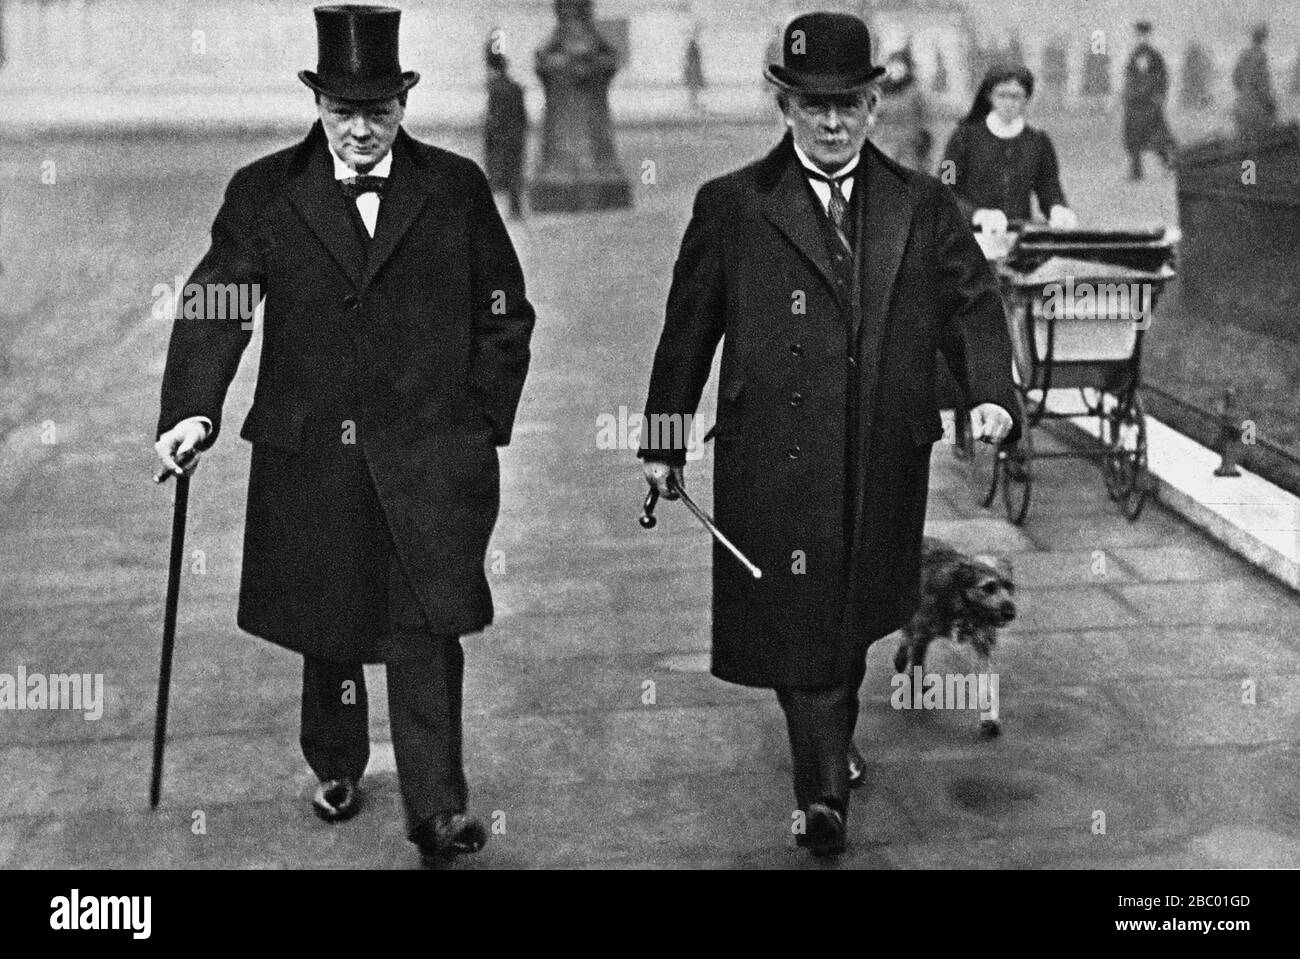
357, 54
824, 53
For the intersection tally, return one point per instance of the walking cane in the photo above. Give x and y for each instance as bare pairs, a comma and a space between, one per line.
648, 521
169, 623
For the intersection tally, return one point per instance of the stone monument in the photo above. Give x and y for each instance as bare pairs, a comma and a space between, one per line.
579, 168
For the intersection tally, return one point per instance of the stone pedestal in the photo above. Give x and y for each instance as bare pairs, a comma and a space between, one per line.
579, 168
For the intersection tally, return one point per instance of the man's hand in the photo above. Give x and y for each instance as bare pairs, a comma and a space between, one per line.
990, 221
182, 439
657, 473
990, 423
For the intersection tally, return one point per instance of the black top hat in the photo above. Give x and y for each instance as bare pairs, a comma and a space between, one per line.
357, 54
1142, 26
824, 53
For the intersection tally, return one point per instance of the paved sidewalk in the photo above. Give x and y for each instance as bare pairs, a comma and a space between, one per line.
1121, 683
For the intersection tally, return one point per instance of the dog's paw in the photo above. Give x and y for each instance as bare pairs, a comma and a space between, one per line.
990, 728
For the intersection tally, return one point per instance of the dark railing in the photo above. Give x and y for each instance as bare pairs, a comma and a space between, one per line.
1274, 463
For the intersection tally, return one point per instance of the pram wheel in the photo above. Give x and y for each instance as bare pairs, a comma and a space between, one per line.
1124, 432
1016, 471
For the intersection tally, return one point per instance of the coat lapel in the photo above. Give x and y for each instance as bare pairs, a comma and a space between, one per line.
323, 206
790, 209
884, 222
403, 202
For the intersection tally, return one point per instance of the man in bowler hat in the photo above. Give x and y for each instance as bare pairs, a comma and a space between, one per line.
831, 274
395, 348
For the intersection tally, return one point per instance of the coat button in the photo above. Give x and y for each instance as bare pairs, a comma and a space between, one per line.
796, 399
794, 452
853, 362
352, 301
796, 349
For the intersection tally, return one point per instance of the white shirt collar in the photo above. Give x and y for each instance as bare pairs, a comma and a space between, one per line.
809, 165
342, 171
1004, 131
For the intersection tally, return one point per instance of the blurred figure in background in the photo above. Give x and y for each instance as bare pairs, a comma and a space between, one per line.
1255, 110
997, 164
1146, 84
903, 118
505, 133
693, 70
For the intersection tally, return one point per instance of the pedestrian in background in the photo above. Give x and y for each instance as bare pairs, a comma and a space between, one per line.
1146, 86
693, 70
505, 133
903, 120
998, 165
1255, 109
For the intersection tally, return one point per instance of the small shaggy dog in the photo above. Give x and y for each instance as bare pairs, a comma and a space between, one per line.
964, 598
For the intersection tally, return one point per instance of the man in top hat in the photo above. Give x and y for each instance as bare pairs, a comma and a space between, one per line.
1146, 86
831, 274
394, 354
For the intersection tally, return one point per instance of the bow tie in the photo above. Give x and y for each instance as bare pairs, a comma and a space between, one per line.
354, 186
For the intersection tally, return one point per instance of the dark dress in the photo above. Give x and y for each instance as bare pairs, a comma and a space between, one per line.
989, 172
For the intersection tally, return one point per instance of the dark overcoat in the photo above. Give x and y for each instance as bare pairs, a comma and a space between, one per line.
1146, 85
840, 557
390, 372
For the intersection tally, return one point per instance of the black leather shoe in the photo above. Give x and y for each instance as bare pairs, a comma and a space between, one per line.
857, 767
449, 835
337, 800
826, 834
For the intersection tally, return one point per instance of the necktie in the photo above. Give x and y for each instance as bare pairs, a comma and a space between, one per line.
838, 207
355, 186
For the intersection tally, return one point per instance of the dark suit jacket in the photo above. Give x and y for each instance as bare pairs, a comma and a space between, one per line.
398, 360
800, 354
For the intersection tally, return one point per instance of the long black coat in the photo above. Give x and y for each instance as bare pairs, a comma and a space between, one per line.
840, 566
505, 132
398, 360
1146, 85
